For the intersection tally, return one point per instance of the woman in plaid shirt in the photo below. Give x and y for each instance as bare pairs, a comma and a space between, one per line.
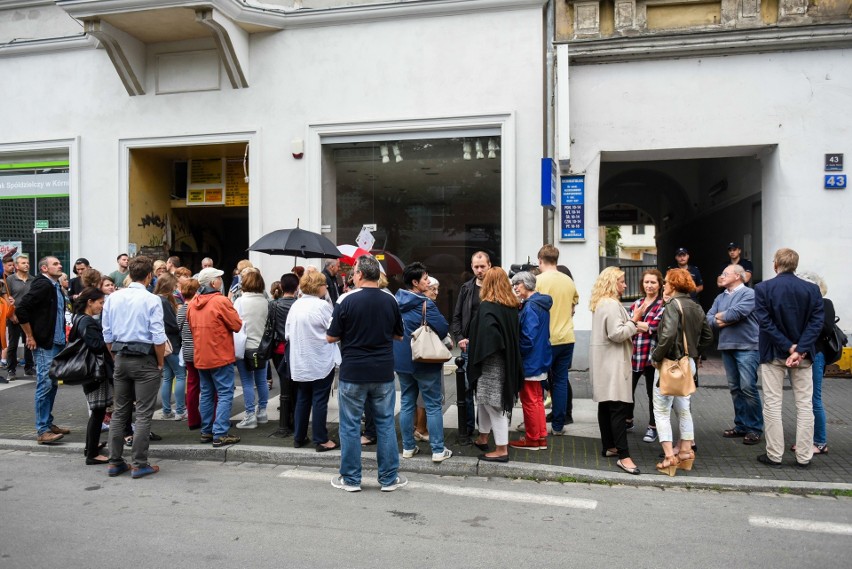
651, 307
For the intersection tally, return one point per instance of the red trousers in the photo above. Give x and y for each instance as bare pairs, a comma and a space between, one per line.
193, 395
533, 405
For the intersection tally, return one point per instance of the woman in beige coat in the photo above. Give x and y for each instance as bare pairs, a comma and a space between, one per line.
610, 350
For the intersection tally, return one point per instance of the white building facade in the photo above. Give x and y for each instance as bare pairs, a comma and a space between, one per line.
718, 132
424, 118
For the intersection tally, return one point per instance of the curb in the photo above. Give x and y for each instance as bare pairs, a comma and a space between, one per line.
456, 466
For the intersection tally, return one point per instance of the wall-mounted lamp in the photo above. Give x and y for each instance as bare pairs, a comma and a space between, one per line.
383, 150
492, 148
479, 154
466, 150
396, 154
717, 188
297, 147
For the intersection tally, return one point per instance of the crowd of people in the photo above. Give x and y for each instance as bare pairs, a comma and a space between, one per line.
167, 332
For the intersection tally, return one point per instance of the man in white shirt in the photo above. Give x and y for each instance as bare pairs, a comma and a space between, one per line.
134, 332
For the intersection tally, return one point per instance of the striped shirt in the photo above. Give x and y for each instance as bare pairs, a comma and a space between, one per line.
187, 346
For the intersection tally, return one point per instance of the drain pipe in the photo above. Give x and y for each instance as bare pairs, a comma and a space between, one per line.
548, 215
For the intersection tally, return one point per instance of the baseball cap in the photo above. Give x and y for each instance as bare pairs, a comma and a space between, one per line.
206, 276
733, 245
681, 250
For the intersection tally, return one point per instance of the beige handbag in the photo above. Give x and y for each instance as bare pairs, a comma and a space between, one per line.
676, 375
426, 346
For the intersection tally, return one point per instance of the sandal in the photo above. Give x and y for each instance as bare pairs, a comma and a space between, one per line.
751, 439
669, 465
820, 449
733, 434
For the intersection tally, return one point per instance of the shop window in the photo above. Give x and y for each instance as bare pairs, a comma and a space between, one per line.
35, 210
434, 200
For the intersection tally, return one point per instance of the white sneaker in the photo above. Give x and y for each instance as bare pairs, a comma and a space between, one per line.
650, 435
250, 422
564, 431
169, 415
339, 482
180, 417
261, 416
442, 456
409, 453
398, 483
521, 428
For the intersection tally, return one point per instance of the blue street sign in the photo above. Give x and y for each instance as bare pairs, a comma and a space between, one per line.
573, 203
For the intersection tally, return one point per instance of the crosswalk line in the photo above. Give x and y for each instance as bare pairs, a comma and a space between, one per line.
465, 492
801, 525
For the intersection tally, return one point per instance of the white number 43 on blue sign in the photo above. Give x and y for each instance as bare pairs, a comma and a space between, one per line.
835, 182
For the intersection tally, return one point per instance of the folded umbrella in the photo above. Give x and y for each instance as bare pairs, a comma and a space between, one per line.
297, 242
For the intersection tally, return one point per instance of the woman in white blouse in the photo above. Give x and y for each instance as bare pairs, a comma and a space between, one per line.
312, 361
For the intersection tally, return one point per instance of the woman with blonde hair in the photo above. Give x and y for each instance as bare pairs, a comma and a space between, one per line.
818, 367
681, 317
312, 361
610, 350
236, 289
494, 365
253, 309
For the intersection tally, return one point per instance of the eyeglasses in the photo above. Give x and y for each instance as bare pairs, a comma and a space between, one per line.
727, 274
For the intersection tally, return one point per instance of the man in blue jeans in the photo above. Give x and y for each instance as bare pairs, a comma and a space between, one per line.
366, 322
213, 321
733, 316
41, 314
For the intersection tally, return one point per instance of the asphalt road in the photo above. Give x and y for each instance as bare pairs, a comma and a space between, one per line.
56, 512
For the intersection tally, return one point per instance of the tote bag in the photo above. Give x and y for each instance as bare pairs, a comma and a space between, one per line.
676, 375
426, 346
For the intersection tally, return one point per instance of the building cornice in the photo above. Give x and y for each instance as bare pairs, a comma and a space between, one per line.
710, 44
31, 47
12, 4
256, 13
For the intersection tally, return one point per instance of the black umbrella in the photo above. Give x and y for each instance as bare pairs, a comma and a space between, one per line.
296, 242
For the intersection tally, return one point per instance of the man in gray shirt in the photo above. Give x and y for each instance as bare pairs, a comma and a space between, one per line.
19, 284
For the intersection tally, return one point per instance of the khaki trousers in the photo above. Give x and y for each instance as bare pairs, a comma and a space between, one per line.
772, 375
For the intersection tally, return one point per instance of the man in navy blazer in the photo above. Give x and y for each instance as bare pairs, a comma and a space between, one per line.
789, 311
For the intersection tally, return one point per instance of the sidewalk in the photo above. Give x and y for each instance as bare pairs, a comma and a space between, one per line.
720, 462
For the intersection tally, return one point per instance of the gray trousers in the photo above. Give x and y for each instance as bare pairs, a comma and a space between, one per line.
136, 379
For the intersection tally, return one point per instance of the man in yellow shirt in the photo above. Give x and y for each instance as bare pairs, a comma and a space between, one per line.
565, 298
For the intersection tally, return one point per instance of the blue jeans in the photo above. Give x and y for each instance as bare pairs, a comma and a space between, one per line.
562, 404
818, 371
741, 369
45, 393
251, 380
379, 397
429, 384
312, 395
173, 370
220, 380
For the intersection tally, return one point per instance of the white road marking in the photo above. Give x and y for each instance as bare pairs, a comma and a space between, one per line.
801, 525
481, 493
